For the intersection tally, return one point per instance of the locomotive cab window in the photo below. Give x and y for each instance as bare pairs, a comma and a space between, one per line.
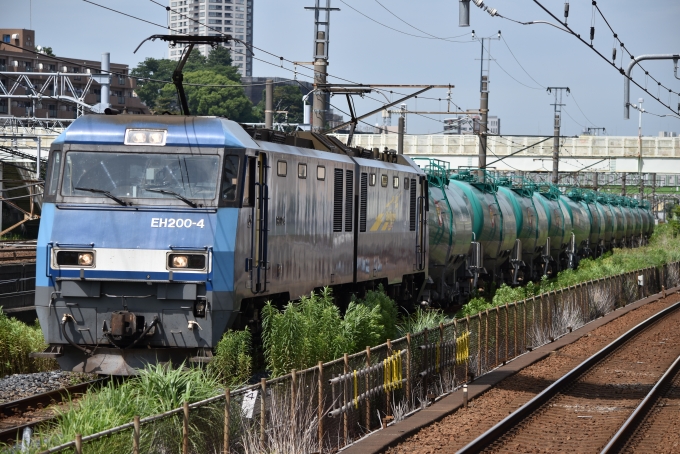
383, 180
230, 178
395, 182
55, 166
177, 178
281, 168
302, 170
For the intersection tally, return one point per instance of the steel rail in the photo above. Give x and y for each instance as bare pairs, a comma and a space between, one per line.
13, 434
621, 437
522, 413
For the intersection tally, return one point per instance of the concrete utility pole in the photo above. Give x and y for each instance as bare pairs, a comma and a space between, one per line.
595, 182
653, 176
641, 110
484, 97
556, 143
623, 183
321, 40
401, 129
269, 104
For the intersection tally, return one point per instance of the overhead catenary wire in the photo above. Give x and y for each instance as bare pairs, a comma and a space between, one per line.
449, 39
621, 70
114, 73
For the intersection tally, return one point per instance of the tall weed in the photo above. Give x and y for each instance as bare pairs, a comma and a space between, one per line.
17, 340
233, 361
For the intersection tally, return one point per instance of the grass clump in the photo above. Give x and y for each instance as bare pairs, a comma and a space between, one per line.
233, 363
17, 340
313, 329
421, 319
155, 390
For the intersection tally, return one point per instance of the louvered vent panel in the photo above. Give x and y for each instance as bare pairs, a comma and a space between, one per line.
349, 200
337, 201
363, 202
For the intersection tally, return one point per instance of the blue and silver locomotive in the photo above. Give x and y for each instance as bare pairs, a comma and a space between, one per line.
158, 233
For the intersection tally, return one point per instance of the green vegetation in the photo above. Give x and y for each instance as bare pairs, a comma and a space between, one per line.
420, 320
155, 390
663, 247
313, 330
286, 97
17, 340
216, 69
233, 363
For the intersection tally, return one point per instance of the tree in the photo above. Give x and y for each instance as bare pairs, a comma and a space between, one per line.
152, 68
286, 97
159, 94
47, 51
220, 61
229, 101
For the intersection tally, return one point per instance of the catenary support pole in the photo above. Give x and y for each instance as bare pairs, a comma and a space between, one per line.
269, 104
400, 141
484, 115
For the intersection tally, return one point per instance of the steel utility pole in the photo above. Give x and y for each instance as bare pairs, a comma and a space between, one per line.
556, 143
484, 97
321, 40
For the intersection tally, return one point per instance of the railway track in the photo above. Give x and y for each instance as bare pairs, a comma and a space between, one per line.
31, 411
591, 405
17, 254
656, 418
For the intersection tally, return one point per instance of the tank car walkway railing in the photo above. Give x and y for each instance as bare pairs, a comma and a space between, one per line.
331, 405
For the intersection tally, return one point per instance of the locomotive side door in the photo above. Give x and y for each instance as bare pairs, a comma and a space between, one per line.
258, 263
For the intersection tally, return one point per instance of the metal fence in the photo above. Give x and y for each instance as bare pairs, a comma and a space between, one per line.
326, 407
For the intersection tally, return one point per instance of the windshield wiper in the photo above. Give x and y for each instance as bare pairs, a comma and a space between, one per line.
173, 193
106, 193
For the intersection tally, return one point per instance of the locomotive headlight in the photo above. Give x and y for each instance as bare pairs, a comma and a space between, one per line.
85, 258
187, 261
75, 258
155, 137
180, 261
138, 137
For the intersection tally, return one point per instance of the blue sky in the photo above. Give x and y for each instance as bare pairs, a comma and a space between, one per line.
363, 51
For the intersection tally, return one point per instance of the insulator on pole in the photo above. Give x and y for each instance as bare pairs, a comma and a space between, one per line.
566, 10
592, 33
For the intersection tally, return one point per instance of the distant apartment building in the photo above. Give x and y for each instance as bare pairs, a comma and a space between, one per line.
469, 124
668, 134
215, 18
14, 61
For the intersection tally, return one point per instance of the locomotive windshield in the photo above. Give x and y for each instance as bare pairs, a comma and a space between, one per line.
140, 176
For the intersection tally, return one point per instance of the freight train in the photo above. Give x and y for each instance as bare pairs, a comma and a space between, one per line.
158, 233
